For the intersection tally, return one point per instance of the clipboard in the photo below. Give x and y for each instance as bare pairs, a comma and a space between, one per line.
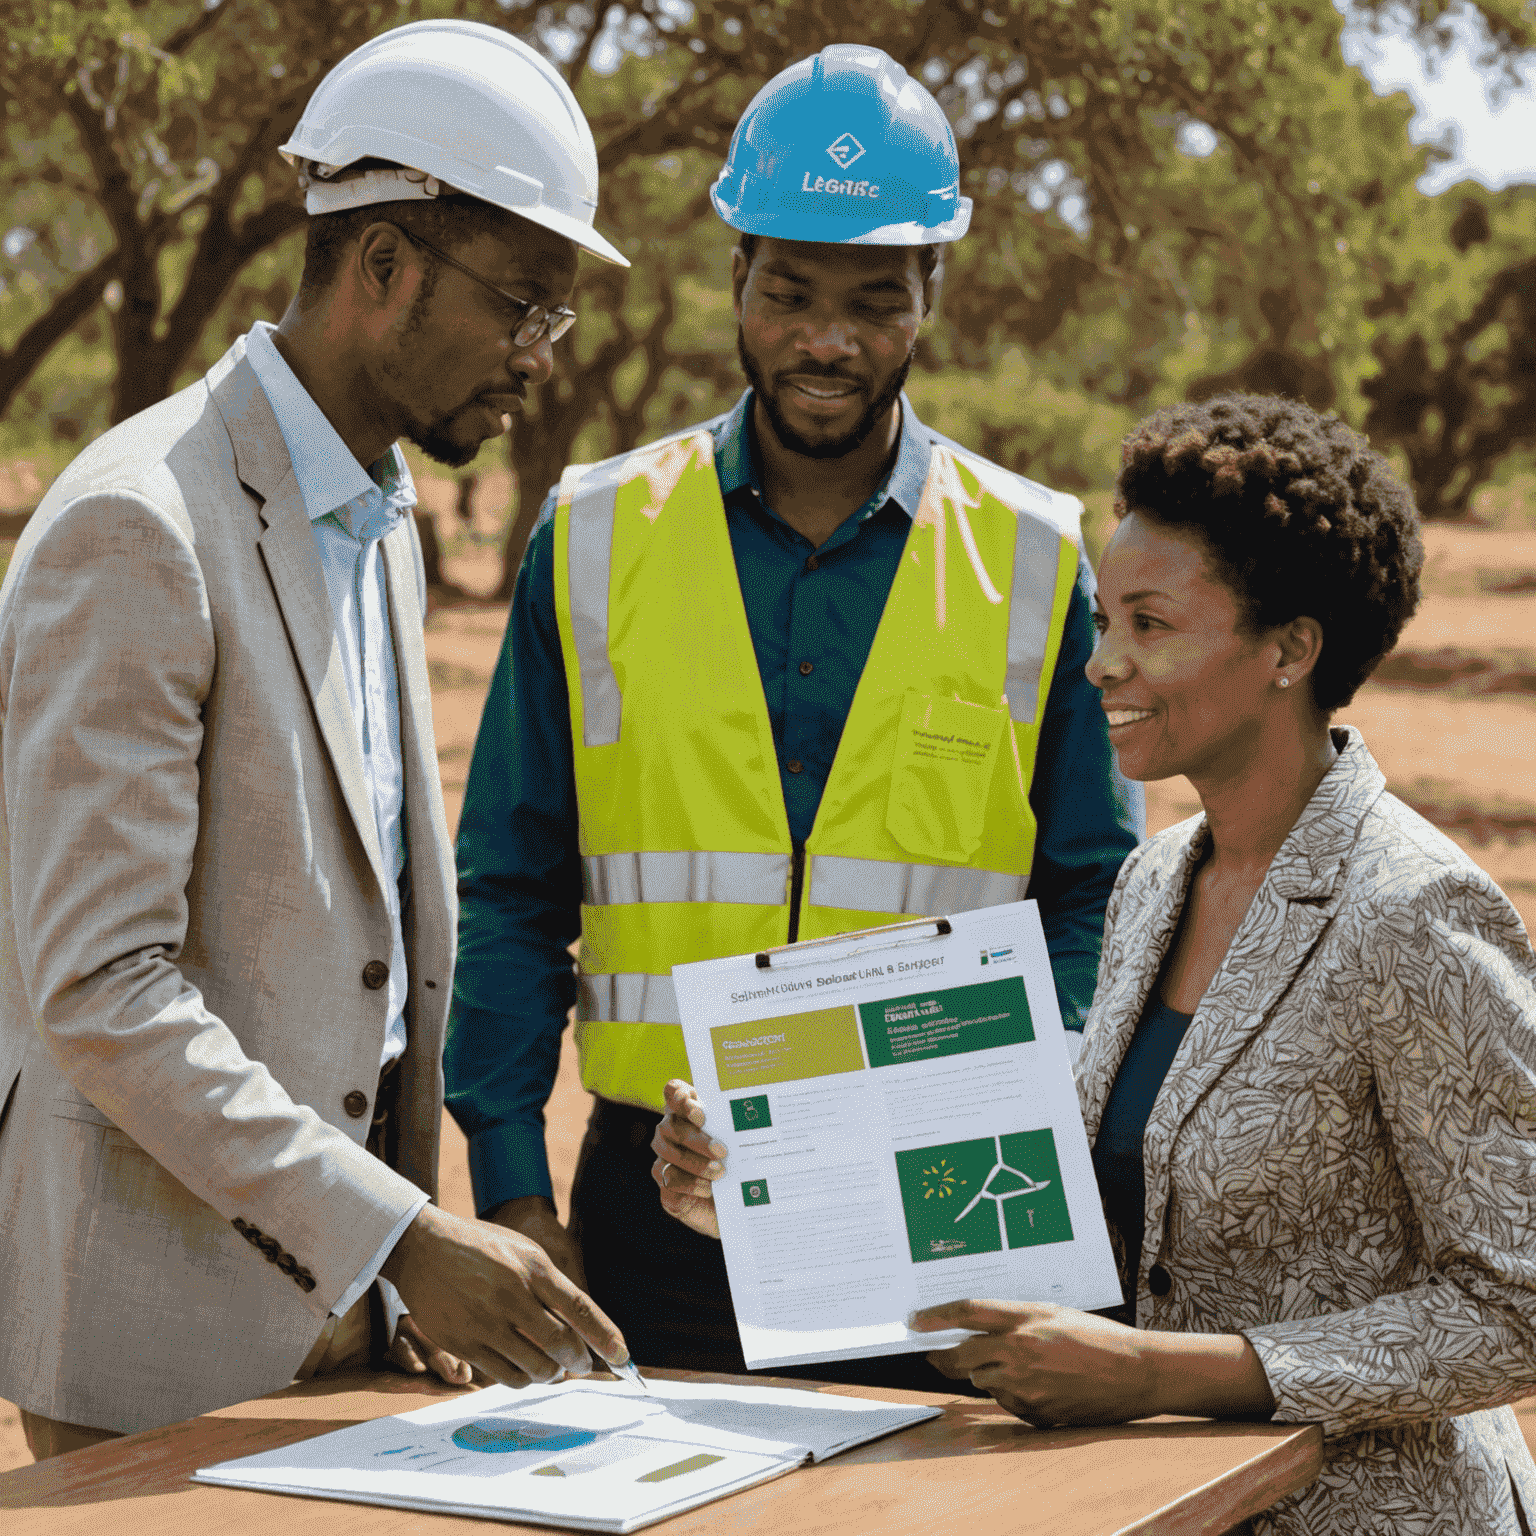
902, 1129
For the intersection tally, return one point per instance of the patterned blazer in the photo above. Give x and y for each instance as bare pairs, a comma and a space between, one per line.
1341, 1164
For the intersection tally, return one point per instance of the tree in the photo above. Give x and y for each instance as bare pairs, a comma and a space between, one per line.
140, 161
1097, 234
1456, 382
1170, 200
1172, 196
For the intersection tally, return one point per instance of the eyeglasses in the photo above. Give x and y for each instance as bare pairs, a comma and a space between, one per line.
538, 320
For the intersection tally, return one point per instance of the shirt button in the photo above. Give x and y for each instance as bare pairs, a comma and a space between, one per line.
806, 669
356, 1104
1159, 1281
812, 563
375, 974
794, 765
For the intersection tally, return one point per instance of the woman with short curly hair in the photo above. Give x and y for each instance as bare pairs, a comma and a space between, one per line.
1309, 1074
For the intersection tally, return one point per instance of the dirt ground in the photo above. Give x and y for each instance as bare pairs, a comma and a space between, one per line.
1460, 755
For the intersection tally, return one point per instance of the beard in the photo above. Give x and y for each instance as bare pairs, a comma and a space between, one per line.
436, 440
877, 411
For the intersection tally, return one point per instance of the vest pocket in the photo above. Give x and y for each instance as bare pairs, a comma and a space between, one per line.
941, 776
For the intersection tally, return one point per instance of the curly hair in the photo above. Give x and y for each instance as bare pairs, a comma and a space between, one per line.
1299, 516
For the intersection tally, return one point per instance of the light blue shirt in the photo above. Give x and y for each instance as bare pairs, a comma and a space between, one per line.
350, 510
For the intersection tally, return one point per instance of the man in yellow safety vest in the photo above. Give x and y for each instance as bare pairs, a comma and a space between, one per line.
729, 657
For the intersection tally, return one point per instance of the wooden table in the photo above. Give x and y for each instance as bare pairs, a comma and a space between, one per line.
977, 1471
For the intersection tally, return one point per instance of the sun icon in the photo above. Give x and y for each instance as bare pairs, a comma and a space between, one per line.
941, 1180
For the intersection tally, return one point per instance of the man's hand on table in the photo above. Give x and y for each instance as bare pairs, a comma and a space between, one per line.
414, 1353
687, 1161
1053, 1365
495, 1299
535, 1217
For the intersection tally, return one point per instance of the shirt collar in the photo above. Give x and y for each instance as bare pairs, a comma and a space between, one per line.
330, 479
736, 459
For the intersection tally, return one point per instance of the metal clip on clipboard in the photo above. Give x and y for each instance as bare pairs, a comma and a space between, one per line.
768, 959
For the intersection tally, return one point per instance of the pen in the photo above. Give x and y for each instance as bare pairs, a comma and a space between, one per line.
625, 1371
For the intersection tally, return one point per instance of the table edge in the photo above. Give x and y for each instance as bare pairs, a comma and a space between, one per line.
1301, 1450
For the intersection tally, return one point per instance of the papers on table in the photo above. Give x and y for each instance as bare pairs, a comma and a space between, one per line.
598, 1456
902, 1130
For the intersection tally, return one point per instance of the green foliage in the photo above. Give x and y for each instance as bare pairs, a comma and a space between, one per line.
1172, 197
140, 145
1509, 26
1018, 418
1454, 343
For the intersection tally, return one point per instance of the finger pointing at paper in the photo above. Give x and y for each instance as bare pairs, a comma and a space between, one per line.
687, 1161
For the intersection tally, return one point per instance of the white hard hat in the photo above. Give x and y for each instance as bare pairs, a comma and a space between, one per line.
463, 107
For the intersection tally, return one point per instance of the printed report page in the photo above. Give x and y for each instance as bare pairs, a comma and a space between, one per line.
902, 1130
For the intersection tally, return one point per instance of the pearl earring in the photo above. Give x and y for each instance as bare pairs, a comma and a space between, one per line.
1285, 682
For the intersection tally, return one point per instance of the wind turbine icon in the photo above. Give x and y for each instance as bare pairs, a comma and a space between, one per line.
992, 1188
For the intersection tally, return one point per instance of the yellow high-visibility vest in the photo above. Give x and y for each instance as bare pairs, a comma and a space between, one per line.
685, 844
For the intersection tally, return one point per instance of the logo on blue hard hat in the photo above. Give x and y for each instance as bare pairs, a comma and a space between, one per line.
848, 188
881, 114
845, 149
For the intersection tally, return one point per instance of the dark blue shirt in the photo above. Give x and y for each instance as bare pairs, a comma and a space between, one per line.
518, 859
1117, 1159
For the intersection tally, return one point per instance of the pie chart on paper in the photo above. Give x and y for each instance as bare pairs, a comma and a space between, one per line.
499, 1437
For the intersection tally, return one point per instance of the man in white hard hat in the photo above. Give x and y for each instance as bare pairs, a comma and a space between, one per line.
704, 736
227, 900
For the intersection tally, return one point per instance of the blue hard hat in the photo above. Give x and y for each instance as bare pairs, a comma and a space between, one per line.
845, 147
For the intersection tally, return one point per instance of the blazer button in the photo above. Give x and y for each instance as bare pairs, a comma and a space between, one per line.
375, 974
1159, 1281
356, 1103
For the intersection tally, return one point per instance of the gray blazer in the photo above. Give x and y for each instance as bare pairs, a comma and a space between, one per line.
1341, 1163
191, 886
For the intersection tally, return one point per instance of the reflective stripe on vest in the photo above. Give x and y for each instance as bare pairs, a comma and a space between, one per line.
612, 879
592, 555
1036, 559
912, 890
629, 995
857, 885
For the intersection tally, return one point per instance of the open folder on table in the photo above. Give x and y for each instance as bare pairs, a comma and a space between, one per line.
590, 1455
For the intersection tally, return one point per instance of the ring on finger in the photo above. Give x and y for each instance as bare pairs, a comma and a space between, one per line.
666, 1169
